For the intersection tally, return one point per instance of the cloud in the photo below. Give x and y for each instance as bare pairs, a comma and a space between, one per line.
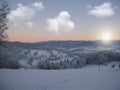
61, 23
104, 10
29, 24
38, 5
22, 15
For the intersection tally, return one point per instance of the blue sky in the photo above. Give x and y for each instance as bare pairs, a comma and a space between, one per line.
63, 20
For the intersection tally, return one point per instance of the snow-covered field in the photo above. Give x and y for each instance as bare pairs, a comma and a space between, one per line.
86, 78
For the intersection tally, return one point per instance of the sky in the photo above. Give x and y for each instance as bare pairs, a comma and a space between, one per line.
43, 20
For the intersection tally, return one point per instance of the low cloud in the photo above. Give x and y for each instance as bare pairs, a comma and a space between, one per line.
104, 10
38, 5
23, 15
61, 23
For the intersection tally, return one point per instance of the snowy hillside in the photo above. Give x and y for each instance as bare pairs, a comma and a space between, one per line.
46, 55
57, 58
86, 78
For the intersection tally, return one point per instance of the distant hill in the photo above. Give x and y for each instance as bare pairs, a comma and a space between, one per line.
62, 44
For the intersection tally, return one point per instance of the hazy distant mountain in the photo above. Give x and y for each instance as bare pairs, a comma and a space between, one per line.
63, 44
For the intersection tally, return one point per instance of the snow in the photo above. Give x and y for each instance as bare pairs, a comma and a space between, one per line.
91, 49
23, 62
40, 52
86, 78
102, 67
58, 53
35, 63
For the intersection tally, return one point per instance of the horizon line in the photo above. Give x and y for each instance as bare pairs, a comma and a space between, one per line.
59, 40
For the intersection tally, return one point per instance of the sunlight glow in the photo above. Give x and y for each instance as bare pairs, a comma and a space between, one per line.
106, 37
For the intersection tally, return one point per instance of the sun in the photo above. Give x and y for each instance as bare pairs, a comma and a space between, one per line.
106, 37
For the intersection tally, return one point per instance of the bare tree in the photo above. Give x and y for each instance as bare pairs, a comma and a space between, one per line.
4, 10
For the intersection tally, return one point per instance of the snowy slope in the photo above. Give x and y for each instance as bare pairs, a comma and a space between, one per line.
60, 58
48, 57
86, 78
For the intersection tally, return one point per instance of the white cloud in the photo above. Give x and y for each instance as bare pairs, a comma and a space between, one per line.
104, 10
29, 24
61, 23
38, 5
22, 15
